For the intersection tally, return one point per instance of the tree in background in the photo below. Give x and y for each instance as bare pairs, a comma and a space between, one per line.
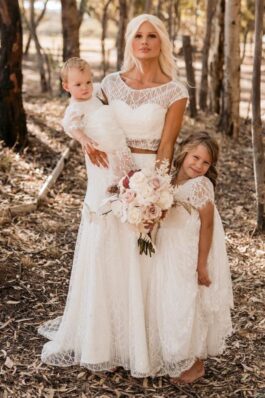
71, 22
230, 113
42, 59
216, 58
13, 128
211, 9
258, 147
122, 24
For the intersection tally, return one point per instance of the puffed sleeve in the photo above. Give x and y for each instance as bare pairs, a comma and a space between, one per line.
178, 91
202, 192
73, 120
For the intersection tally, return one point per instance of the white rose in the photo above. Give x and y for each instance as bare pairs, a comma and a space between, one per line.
165, 200
134, 215
137, 180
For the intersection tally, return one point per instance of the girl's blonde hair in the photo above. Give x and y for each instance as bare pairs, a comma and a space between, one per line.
191, 142
74, 62
166, 58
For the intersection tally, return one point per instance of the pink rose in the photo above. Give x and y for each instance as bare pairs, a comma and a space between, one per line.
152, 212
155, 183
128, 196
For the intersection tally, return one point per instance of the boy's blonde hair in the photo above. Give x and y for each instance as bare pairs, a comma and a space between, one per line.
74, 62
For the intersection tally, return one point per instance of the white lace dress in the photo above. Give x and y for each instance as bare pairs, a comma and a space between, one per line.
121, 308
98, 122
199, 317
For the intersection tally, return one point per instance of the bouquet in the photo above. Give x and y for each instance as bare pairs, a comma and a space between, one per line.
141, 199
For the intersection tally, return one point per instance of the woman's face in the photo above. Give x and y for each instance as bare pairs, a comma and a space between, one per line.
146, 43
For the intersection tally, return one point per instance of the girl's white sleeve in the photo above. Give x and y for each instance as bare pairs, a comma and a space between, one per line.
202, 192
73, 120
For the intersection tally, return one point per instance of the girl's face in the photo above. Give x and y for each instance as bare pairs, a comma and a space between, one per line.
79, 84
196, 163
146, 43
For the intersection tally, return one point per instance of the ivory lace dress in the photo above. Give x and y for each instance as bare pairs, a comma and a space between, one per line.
119, 310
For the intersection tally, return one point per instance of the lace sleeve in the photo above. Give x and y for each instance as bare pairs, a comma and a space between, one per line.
178, 92
201, 192
72, 121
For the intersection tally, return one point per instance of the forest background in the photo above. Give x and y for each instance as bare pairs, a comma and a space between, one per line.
219, 46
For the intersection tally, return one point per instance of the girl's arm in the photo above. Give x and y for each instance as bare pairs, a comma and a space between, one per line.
171, 130
205, 240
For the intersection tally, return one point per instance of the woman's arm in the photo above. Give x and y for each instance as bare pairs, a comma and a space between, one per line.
172, 125
205, 240
89, 146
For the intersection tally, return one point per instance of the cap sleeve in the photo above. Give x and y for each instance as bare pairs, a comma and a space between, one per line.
73, 120
178, 91
202, 192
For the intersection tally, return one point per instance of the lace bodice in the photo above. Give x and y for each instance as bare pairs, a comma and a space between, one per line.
196, 191
141, 113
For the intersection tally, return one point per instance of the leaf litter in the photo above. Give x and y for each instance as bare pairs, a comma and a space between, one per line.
37, 251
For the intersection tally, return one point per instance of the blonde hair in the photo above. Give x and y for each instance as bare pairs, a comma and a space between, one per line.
166, 58
74, 62
191, 142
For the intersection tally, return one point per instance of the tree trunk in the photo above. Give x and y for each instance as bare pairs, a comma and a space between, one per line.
148, 6
36, 24
121, 32
211, 8
40, 57
70, 27
230, 115
187, 50
13, 128
104, 24
258, 147
216, 59
171, 19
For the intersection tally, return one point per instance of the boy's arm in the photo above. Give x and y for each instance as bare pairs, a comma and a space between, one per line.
205, 240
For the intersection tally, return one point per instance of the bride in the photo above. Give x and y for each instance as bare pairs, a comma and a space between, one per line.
106, 321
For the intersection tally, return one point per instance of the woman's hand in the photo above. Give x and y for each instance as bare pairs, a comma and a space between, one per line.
203, 277
97, 157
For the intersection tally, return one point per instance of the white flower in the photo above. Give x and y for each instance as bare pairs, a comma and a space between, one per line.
134, 215
165, 200
128, 196
137, 180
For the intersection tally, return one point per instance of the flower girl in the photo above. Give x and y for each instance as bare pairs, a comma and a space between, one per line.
87, 120
194, 283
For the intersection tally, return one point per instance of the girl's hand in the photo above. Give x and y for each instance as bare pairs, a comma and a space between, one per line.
203, 277
97, 157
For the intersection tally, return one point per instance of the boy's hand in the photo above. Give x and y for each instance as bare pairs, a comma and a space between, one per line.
203, 277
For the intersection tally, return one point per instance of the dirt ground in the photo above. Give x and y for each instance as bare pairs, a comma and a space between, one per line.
36, 257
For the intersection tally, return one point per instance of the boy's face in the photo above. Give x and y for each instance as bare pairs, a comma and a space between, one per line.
79, 84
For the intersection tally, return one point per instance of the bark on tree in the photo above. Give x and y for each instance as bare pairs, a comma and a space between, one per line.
121, 32
211, 7
45, 86
258, 147
216, 59
148, 6
230, 115
187, 50
104, 25
13, 128
70, 27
